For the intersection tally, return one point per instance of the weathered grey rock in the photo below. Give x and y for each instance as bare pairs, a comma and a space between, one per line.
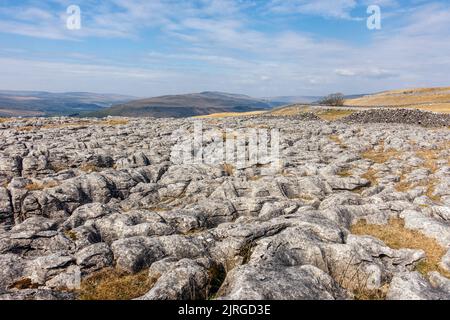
445, 262
438, 230
131, 224
306, 282
413, 286
136, 253
6, 211
350, 183
85, 194
185, 280
87, 212
12, 269
68, 280
440, 282
37, 294
43, 268
94, 257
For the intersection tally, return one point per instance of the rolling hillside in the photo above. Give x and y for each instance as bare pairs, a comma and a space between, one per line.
431, 99
188, 105
36, 103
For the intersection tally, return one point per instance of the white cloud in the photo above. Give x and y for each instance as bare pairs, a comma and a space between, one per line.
326, 8
216, 46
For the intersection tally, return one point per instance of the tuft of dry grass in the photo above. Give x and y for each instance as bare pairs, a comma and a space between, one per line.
430, 190
114, 122
292, 110
58, 167
26, 128
364, 293
335, 139
228, 169
35, 186
89, 168
22, 284
371, 176
430, 184
345, 173
404, 186
350, 277
396, 236
112, 284
429, 157
379, 155
71, 235
334, 114
230, 114
306, 197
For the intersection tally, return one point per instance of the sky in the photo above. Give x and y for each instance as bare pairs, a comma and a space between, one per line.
262, 48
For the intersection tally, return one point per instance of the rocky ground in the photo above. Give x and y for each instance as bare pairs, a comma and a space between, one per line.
94, 197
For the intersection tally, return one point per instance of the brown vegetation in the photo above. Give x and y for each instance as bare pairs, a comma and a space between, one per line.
371, 176
112, 284
34, 186
334, 114
430, 99
396, 236
89, 168
228, 169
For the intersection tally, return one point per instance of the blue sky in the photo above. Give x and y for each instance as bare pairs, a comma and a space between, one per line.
256, 47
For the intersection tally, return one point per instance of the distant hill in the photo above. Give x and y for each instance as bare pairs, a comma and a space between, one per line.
431, 99
188, 105
295, 99
37, 103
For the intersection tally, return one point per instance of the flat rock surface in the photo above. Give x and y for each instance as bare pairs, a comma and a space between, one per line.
81, 195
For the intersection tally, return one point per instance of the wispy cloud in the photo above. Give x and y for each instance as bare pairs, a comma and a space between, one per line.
326, 8
227, 45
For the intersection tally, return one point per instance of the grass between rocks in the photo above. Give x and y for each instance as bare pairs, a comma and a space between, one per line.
230, 114
290, 110
336, 139
35, 186
380, 156
26, 128
89, 168
396, 236
71, 235
334, 114
371, 294
345, 173
22, 284
371, 176
81, 123
430, 158
324, 114
356, 281
228, 169
108, 122
430, 190
430, 184
112, 284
